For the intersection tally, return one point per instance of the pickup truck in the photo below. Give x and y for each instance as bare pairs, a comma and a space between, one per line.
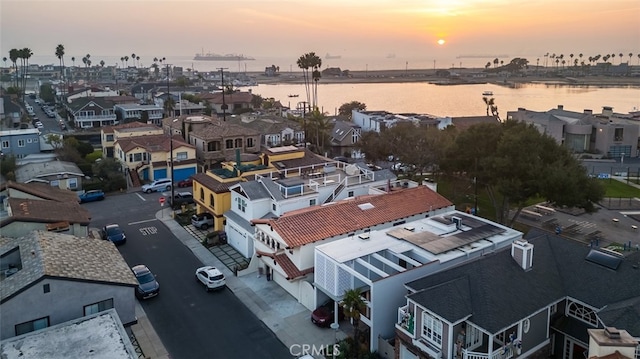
91, 196
182, 198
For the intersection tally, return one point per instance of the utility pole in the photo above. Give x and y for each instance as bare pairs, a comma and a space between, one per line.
224, 104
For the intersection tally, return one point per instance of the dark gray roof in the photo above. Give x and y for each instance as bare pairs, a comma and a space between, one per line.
501, 293
246, 225
624, 314
273, 189
384, 174
254, 190
341, 129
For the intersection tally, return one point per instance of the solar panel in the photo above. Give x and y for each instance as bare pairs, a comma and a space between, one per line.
604, 259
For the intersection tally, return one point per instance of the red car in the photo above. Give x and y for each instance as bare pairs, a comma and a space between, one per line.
185, 183
324, 314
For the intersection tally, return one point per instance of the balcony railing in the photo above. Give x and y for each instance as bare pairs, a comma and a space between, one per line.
406, 320
505, 352
95, 117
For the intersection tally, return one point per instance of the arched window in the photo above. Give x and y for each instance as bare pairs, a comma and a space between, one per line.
583, 313
201, 194
211, 203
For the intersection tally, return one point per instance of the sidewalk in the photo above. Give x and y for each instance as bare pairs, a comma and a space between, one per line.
288, 319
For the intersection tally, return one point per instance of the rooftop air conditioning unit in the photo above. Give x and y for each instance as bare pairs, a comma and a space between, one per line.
363, 236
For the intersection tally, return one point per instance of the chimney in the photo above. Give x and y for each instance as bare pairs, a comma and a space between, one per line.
588, 112
560, 107
607, 341
522, 253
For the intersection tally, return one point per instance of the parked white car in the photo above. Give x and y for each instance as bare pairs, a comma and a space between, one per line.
161, 184
211, 277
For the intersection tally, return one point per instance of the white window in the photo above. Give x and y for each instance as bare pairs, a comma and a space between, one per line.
35, 139
55, 183
32, 325
432, 329
181, 156
5, 144
98, 307
29, 140
242, 205
21, 143
72, 183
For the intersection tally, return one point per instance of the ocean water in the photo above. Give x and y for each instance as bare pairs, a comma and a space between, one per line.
424, 98
458, 100
286, 64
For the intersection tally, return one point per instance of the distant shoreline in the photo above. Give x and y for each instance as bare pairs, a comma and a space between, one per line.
400, 76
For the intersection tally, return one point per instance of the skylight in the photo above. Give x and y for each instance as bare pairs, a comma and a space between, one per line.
604, 259
365, 206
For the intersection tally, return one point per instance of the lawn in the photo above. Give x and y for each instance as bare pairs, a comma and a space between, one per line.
461, 192
617, 189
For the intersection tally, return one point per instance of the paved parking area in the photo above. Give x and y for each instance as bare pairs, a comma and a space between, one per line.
224, 252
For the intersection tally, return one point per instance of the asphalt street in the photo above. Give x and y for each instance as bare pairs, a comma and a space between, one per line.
191, 322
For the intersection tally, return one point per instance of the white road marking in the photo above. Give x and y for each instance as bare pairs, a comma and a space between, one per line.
142, 198
145, 221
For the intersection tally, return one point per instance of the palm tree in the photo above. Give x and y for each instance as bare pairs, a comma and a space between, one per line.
630, 55
490, 102
138, 59
613, 56
26, 54
495, 62
101, 63
620, 54
14, 55
133, 58
304, 63
169, 105
353, 306
60, 56
638, 58
126, 61
316, 74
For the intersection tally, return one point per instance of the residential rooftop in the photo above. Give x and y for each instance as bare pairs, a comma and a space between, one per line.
97, 336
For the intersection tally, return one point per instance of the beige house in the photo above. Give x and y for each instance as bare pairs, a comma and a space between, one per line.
150, 157
110, 134
606, 134
61, 174
218, 141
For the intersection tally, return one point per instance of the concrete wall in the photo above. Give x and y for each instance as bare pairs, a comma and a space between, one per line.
64, 302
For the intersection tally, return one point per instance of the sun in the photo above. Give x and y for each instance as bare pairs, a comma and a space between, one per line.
441, 42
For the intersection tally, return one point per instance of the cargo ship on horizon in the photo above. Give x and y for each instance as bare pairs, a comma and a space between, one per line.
217, 57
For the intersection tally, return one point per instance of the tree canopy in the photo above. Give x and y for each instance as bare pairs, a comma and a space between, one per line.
347, 108
514, 163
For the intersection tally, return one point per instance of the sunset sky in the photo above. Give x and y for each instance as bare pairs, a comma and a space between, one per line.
345, 27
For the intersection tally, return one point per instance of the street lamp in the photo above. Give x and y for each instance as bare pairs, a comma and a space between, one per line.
224, 104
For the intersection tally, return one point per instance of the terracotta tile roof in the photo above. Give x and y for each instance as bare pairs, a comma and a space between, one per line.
213, 184
290, 269
312, 224
217, 130
43, 191
30, 210
57, 255
152, 143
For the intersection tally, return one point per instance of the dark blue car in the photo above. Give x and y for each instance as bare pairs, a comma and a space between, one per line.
90, 196
114, 233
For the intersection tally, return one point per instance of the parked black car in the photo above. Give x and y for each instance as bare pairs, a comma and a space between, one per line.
148, 286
